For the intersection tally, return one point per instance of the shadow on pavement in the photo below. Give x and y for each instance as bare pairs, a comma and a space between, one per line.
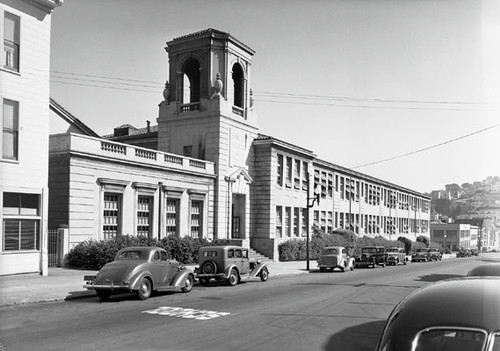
437, 277
363, 337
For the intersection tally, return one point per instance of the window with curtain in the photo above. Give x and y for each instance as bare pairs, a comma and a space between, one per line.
11, 41
21, 222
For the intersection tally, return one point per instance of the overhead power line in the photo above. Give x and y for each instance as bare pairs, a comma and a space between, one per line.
427, 148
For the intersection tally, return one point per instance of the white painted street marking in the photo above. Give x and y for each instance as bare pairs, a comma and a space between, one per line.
186, 313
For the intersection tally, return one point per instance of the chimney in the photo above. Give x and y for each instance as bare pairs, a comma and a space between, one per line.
148, 126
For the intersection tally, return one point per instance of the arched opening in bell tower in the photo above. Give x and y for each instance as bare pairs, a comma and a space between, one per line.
238, 85
191, 81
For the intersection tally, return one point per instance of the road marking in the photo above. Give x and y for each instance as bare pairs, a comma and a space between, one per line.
190, 313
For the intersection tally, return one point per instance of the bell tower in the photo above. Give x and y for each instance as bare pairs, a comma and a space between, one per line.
208, 114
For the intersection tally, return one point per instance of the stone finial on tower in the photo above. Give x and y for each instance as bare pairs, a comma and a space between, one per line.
218, 85
166, 92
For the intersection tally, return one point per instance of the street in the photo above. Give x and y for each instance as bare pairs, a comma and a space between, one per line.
316, 311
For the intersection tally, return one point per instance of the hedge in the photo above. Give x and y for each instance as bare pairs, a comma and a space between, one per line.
93, 254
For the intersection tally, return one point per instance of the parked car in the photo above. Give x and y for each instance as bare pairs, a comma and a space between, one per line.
395, 256
463, 253
434, 254
421, 255
451, 315
231, 263
371, 256
485, 270
141, 270
335, 257
474, 252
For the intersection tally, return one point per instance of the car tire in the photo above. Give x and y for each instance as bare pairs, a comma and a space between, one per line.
209, 267
233, 278
204, 281
264, 274
188, 284
404, 262
145, 289
322, 269
103, 295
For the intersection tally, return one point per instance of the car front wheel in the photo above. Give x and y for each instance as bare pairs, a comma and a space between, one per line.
145, 289
264, 274
233, 277
188, 284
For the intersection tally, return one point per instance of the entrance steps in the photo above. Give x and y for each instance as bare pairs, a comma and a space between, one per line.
258, 256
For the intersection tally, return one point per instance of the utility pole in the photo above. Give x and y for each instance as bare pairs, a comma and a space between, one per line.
309, 205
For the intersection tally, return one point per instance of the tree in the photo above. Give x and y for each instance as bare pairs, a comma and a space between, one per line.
423, 239
407, 243
351, 240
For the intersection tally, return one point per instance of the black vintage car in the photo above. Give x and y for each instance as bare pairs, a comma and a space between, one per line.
371, 256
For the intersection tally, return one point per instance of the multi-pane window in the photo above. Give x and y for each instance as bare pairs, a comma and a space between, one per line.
144, 215
279, 171
304, 221
111, 215
296, 221
172, 211
10, 130
323, 221
296, 175
305, 175
341, 187
196, 218
341, 221
279, 221
288, 172
21, 222
288, 218
329, 223
11, 41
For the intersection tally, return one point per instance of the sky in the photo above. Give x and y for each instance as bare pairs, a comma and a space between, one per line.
406, 91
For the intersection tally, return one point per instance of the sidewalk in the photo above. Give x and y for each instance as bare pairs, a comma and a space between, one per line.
64, 284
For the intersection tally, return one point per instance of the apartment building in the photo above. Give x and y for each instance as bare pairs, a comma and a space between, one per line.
24, 94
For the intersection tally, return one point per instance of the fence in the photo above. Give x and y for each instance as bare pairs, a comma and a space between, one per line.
55, 247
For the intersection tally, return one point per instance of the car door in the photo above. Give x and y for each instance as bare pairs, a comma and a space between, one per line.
162, 270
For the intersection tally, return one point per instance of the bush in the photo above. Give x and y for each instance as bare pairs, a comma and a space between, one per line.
93, 254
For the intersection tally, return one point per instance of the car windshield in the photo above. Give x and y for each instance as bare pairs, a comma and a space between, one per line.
330, 251
422, 250
369, 250
496, 342
448, 339
392, 250
130, 255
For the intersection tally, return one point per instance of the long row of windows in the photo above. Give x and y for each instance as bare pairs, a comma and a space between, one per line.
292, 173
112, 216
21, 222
371, 224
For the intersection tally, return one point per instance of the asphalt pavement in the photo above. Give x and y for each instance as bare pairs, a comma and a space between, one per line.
64, 284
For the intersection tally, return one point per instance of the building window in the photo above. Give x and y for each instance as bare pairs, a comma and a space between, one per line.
288, 218
21, 222
288, 172
305, 175
10, 130
196, 218
329, 223
172, 210
304, 221
112, 215
341, 187
11, 41
279, 170
279, 221
144, 215
296, 175
296, 221
341, 221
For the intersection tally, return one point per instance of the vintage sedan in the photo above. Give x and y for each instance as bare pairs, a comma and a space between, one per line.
451, 315
434, 254
395, 256
335, 257
228, 263
371, 256
141, 270
421, 255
